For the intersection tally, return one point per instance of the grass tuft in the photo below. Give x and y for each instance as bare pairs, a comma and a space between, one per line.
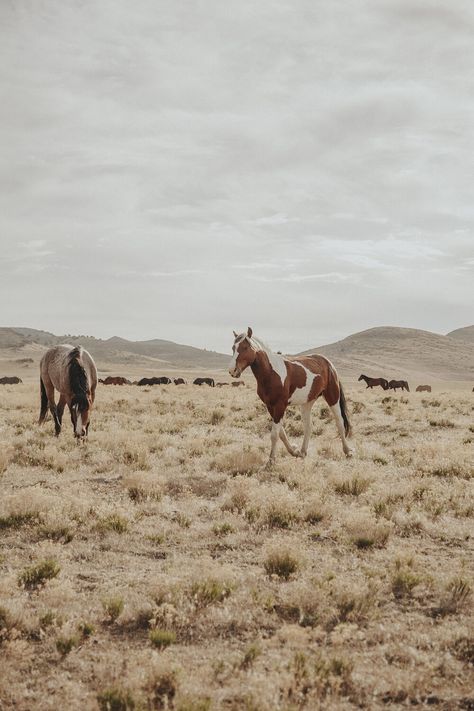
38, 574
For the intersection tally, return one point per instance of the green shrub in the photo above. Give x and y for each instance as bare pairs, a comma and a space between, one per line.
38, 574
162, 638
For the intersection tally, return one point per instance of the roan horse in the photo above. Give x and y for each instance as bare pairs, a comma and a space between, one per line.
283, 381
373, 382
72, 372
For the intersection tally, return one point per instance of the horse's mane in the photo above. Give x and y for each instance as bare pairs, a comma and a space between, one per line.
78, 379
259, 345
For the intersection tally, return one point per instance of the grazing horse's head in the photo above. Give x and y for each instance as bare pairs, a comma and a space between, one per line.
80, 413
243, 353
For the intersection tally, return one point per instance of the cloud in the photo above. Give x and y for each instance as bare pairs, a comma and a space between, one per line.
219, 169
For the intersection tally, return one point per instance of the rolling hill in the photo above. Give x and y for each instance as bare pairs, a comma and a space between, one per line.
389, 351
154, 353
395, 352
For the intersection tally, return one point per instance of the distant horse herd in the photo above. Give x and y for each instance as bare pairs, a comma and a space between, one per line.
281, 381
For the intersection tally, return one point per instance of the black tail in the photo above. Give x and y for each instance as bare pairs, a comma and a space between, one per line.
44, 402
345, 416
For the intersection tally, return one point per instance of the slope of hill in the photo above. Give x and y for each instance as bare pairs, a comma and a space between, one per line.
463, 334
116, 350
395, 352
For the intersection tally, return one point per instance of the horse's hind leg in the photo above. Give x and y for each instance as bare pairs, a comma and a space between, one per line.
333, 399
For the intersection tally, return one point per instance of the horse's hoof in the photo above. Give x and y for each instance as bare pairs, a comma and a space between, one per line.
299, 453
349, 453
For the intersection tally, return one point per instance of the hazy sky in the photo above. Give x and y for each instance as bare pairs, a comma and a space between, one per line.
180, 169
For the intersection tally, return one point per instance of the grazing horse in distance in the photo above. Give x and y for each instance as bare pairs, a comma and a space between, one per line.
10, 380
163, 380
72, 372
221, 385
115, 380
423, 388
373, 382
395, 384
283, 381
238, 384
204, 381
180, 381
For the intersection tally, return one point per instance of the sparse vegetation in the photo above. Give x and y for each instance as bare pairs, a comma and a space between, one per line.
161, 638
281, 562
36, 575
113, 607
163, 557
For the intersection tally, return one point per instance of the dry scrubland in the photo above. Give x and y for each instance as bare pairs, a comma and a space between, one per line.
159, 567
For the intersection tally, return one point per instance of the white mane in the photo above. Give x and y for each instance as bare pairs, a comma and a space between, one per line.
259, 345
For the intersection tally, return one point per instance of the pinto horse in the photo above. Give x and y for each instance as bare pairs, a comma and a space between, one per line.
283, 381
373, 382
72, 372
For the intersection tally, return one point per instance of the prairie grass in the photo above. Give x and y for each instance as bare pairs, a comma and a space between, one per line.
160, 566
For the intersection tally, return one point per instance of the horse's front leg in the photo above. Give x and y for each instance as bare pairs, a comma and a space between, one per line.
294, 451
57, 421
306, 416
60, 408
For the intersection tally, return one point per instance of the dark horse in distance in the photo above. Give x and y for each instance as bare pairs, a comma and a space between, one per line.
373, 382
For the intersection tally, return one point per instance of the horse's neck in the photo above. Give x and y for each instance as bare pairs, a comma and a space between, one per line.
265, 364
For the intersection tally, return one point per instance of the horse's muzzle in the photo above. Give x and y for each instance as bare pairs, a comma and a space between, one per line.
235, 372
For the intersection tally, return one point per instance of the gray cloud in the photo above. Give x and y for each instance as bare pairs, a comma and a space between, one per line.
303, 167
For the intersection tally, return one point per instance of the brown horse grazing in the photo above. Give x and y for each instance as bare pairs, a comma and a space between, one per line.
10, 380
72, 372
115, 380
283, 381
395, 384
179, 381
373, 382
238, 384
423, 388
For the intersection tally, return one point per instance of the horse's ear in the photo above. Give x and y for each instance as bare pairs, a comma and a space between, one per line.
235, 334
249, 332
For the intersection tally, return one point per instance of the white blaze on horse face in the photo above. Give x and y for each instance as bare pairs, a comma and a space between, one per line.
301, 395
233, 362
78, 423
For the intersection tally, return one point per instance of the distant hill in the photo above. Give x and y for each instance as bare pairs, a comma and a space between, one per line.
117, 350
463, 334
395, 352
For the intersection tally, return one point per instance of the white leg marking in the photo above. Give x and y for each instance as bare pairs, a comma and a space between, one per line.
306, 415
276, 426
336, 411
292, 450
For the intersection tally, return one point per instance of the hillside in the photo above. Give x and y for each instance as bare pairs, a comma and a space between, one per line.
463, 334
395, 352
153, 353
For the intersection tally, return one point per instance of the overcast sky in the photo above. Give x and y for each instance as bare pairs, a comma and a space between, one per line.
180, 169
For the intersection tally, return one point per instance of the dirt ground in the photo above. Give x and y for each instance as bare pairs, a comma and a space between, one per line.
160, 566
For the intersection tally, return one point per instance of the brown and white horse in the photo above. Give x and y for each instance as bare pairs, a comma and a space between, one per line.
72, 372
283, 381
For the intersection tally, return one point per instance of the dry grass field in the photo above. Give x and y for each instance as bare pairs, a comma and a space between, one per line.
159, 567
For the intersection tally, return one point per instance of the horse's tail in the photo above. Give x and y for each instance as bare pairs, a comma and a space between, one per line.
344, 413
44, 402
